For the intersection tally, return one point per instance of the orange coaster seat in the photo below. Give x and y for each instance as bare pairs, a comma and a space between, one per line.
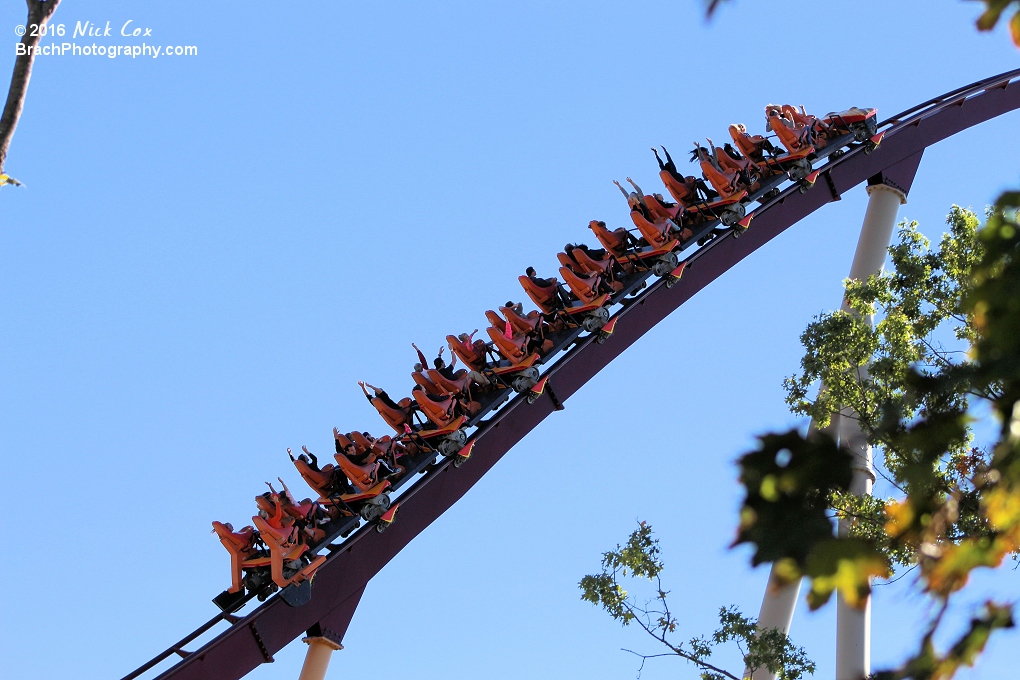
321, 480
586, 288
794, 138
270, 505
565, 261
473, 356
727, 184
660, 211
423, 379
364, 477
494, 319
514, 350
241, 541
592, 266
685, 193
374, 448
242, 546
544, 297
285, 537
395, 417
284, 546
305, 510
459, 385
617, 241
800, 117
752, 146
440, 413
657, 234
342, 439
523, 324
731, 160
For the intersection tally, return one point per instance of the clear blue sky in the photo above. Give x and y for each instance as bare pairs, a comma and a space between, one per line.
211, 250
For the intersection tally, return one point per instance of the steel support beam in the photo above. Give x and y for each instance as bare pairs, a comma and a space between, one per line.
887, 190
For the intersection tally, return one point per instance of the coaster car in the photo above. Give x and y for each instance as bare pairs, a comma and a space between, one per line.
471, 353
372, 449
475, 357
424, 379
581, 259
732, 160
363, 449
337, 496
329, 480
795, 137
530, 329
281, 511
755, 147
685, 190
531, 323
546, 297
862, 123
397, 418
727, 183
588, 287
460, 384
248, 553
576, 312
365, 476
288, 561
801, 141
442, 411
445, 440
618, 241
505, 373
637, 256
514, 349
731, 188
658, 234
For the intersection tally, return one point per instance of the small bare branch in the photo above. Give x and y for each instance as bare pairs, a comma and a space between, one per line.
39, 12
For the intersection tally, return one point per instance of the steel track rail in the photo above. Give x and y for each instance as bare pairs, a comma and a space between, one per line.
253, 639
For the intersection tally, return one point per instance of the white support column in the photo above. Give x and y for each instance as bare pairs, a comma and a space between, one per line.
780, 601
853, 626
876, 233
776, 612
320, 649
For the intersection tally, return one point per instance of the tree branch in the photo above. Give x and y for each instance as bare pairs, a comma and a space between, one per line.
39, 12
679, 651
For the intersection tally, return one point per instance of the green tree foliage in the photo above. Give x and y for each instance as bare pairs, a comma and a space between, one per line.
785, 515
957, 506
874, 374
943, 356
994, 9
639, 561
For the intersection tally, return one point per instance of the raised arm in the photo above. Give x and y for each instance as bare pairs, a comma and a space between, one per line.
623, 191
662, 166
286, 491
640, 193
421, 357
311, 457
